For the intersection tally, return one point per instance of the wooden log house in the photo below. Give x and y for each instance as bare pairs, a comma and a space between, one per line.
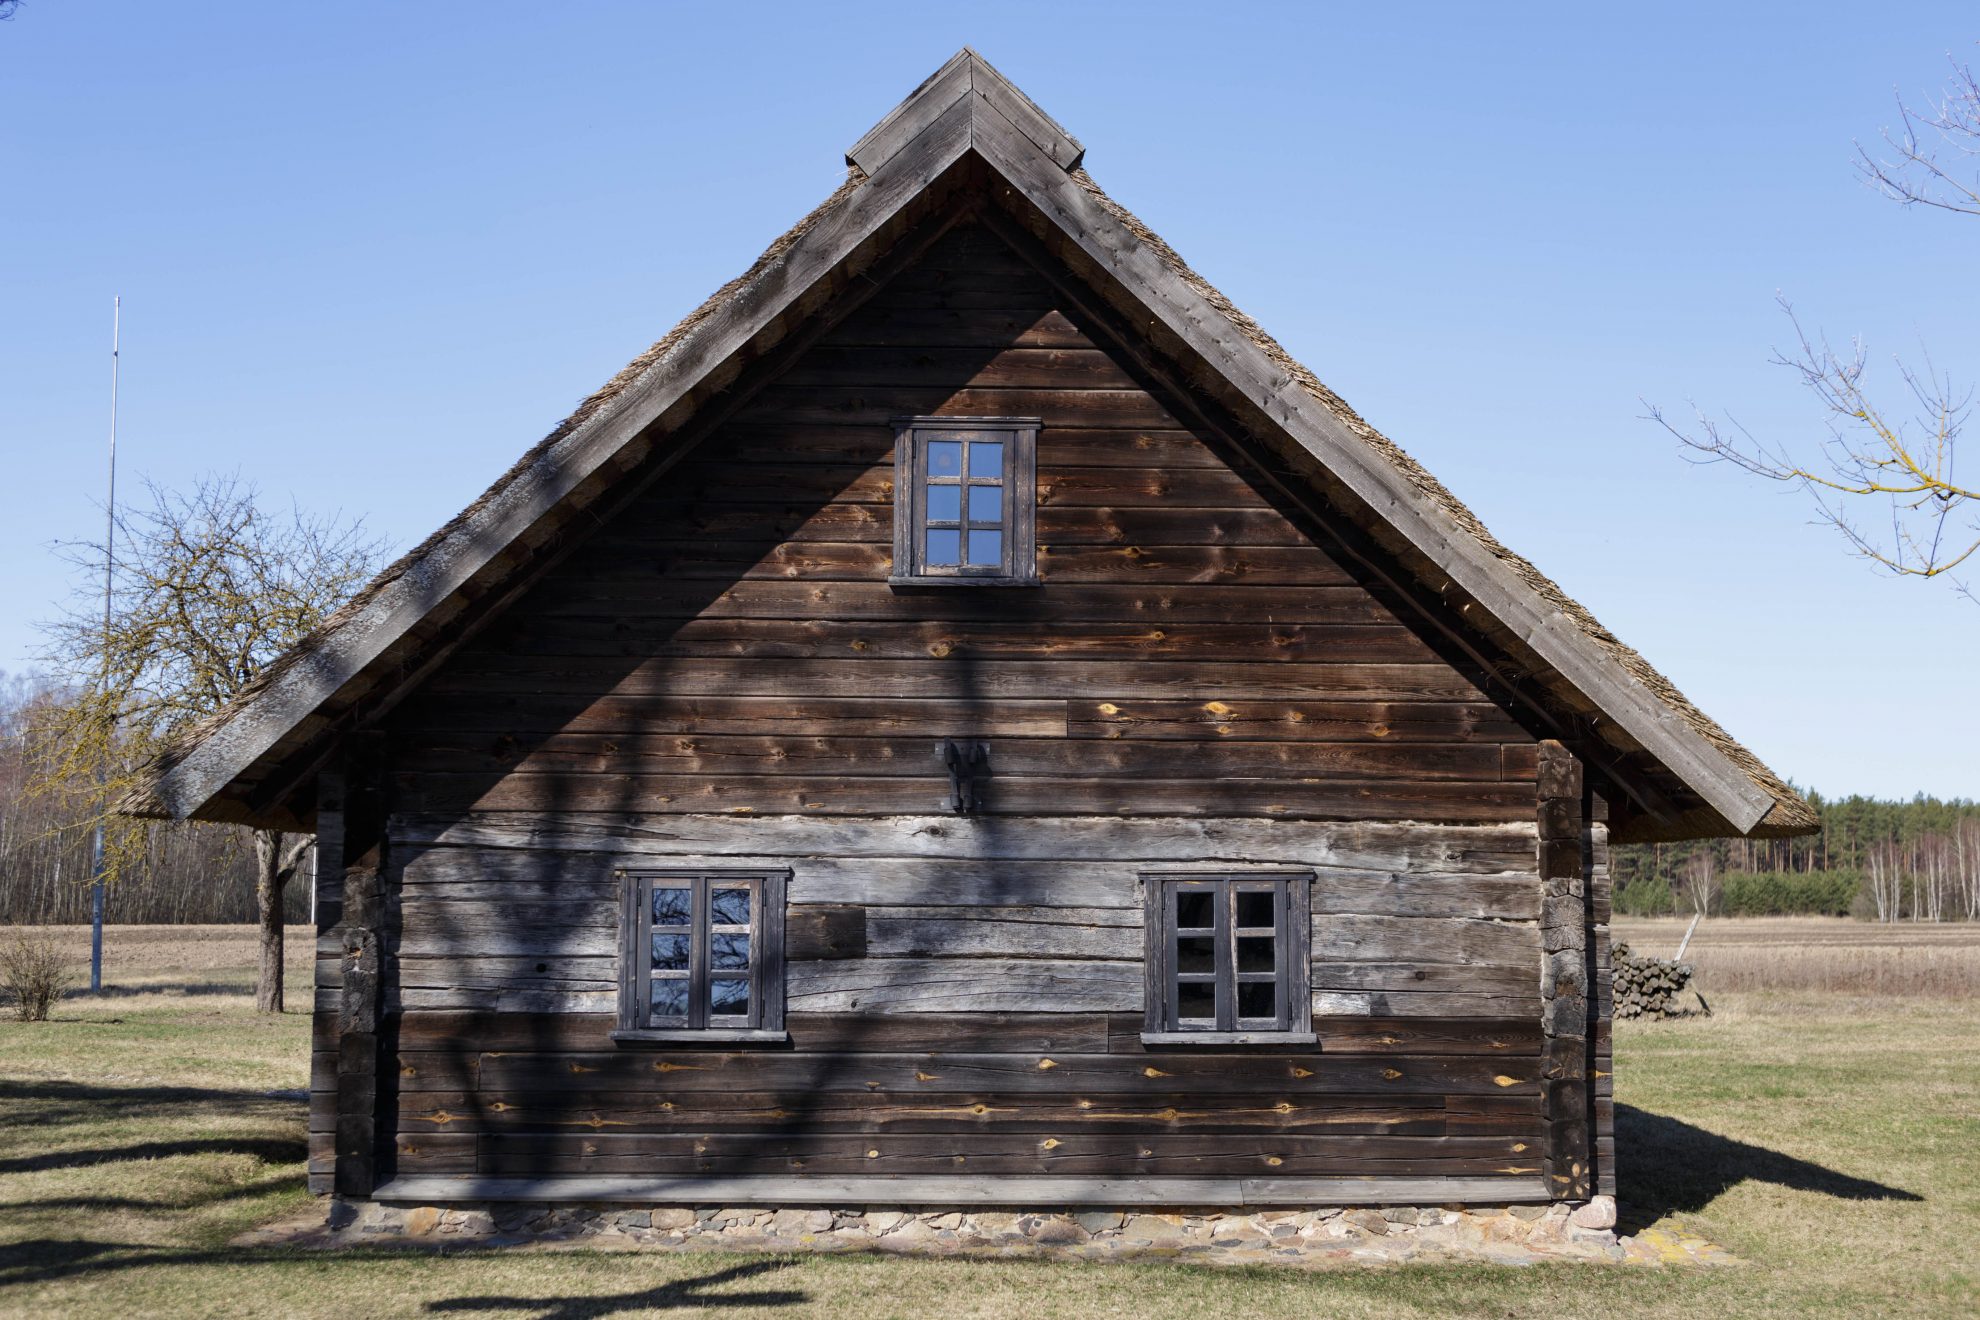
965, 719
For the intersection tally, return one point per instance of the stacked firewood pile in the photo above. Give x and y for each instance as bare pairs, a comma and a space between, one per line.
1648, 987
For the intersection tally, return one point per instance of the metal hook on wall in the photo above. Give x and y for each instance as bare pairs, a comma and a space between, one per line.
969, 766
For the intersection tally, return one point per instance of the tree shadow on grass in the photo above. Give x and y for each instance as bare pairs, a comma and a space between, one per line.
237, 986
1664, 1167
54, 1103
269, 1150
679, 1295
43, 1260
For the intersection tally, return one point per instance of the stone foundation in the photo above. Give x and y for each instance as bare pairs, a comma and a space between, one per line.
1518, 1235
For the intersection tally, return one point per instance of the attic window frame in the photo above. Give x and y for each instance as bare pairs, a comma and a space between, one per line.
1017, 565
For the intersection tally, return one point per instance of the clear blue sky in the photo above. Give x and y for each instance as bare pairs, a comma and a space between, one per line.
369, 253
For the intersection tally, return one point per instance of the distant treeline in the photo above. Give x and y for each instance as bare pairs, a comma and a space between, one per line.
186, 873
1882, 861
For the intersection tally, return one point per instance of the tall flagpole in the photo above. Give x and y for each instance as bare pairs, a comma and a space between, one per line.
96, 848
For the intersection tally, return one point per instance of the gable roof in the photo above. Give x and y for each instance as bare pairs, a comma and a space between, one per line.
247, 761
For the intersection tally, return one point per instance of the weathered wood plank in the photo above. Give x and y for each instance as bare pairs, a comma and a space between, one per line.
516, 716
518, 875
611, 568
1499, 848
964, 1190
1075, 1152
1296, 721
981, 681
1020, 1033
1315, 798
952, 985
1085, 1033
636, 596
1004, 932
1186, 1074
785, 1113
885, 323
568, 757
829, 405
1098, 446
829, 365
744, 639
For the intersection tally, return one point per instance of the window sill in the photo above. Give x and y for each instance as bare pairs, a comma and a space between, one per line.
962, 580
1230, 1038
712, 1036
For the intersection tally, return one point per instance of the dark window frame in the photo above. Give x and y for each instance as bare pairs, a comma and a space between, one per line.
1017, 565
1291, 975
764, 1023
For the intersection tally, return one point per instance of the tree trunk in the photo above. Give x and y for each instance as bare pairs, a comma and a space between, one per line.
270, 879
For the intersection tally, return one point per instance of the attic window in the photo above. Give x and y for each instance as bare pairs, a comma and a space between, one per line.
964, 501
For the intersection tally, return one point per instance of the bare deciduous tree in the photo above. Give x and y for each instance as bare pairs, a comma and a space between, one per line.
1701, 883
210, 587
1884, 476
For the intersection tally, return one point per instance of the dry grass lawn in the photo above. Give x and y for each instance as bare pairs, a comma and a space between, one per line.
1832, 1138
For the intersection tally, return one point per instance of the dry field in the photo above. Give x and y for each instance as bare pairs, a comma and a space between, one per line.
1831, 955
1830, 1137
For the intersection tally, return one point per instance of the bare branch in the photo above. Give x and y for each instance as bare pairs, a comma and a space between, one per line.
1907, 464
1935, 158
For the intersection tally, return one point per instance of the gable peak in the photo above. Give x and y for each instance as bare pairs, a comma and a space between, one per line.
964, 74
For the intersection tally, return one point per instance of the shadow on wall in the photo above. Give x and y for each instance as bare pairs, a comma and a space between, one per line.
1664, 1166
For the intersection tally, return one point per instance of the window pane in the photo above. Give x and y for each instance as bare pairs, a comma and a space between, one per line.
670, 994
944, 458
986, 549
729, 996
670, 953
1255, 954
986, 504
729, 907
986, 459
1194, 910
944, 546
1254, 908
1196, 999
1258, 999
945, 504
672, 905
1196, 953
728, 951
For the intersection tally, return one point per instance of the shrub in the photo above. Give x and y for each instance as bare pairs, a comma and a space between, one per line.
34, 971
1646, 898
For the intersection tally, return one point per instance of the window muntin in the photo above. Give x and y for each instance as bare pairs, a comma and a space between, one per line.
1228, 953
963, 492
702, 953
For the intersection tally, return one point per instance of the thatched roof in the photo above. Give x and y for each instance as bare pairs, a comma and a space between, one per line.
241, 762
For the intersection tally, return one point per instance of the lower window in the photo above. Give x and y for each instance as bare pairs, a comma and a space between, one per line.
1228, 955
702, 955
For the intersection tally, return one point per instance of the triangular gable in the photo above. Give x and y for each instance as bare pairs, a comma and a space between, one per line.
246, 762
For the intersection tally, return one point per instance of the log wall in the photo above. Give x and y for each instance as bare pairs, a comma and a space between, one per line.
993, 1014
721, 675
